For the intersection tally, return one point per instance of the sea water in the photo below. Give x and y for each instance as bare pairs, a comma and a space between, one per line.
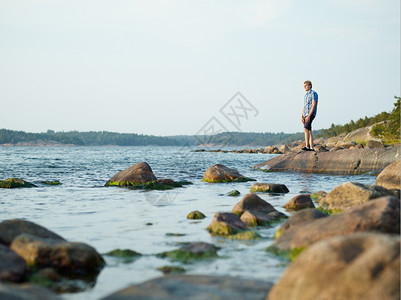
81, 209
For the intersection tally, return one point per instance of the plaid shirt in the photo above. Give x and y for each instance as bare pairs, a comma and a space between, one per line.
308, 99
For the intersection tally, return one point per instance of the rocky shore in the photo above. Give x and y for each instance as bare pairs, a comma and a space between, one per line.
340, 244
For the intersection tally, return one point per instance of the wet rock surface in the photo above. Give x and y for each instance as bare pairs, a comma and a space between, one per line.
195, 287
359, 266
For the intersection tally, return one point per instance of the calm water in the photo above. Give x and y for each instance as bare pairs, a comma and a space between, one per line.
82, 210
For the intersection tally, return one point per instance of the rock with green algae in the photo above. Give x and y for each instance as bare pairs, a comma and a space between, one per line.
269, 188
13, 183
195, 215
171, 270
221, 173
233, 193
230, 225
191, 251
123, 253
51, 182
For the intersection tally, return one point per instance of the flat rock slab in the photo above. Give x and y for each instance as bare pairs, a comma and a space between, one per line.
195, 287
340, 162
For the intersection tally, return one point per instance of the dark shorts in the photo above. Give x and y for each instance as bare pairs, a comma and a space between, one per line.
308, 125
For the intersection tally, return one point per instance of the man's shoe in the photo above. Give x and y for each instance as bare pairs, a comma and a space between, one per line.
311, 149
305, 149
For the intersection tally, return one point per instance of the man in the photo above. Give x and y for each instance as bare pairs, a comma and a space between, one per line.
308, 114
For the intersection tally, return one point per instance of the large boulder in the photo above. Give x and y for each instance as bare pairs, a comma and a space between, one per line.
351, 194
359, 266
342, 162
390, 176
183, 287
64, 256
221, 173
137, 174
379, 215
10, 229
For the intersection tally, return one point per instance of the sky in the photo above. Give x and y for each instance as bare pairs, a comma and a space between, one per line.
179, 67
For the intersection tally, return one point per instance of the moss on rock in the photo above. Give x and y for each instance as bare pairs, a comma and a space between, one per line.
13, 183
195, 215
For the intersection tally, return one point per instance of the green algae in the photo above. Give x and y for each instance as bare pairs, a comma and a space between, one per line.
239, 179
171, 270
195, 215
278, 233
126, 255
330, 211
13, 183
51, 182
186, 256
151, 185
290, 254
175, 234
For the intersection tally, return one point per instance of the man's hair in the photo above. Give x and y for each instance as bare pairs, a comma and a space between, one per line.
308, 82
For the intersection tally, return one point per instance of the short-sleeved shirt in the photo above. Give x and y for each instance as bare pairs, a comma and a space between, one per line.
308, 101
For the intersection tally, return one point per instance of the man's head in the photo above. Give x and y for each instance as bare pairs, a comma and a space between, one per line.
307, 85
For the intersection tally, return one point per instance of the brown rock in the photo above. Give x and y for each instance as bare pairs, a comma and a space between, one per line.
374, 144
10, 229
12, 266
221, 173
351, 194
390, 176
134, 175
64, 256
226, 224
269, 188
379, 215
300, 202
254, 203
359, 266
257, 218
346, 162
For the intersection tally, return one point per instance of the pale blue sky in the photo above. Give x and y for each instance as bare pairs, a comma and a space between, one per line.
168, 67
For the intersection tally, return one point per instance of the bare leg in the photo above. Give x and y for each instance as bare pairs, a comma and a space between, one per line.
310, 139
307, 136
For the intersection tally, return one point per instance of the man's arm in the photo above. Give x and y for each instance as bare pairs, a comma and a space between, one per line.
314, 103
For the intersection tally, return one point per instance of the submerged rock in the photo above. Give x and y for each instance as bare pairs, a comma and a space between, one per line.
390, 176
380, 215
233, 193
124, 253
300, 202
13, 183
183, 287
197, 250
351, 194
221, 173
359, 266
269, 188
